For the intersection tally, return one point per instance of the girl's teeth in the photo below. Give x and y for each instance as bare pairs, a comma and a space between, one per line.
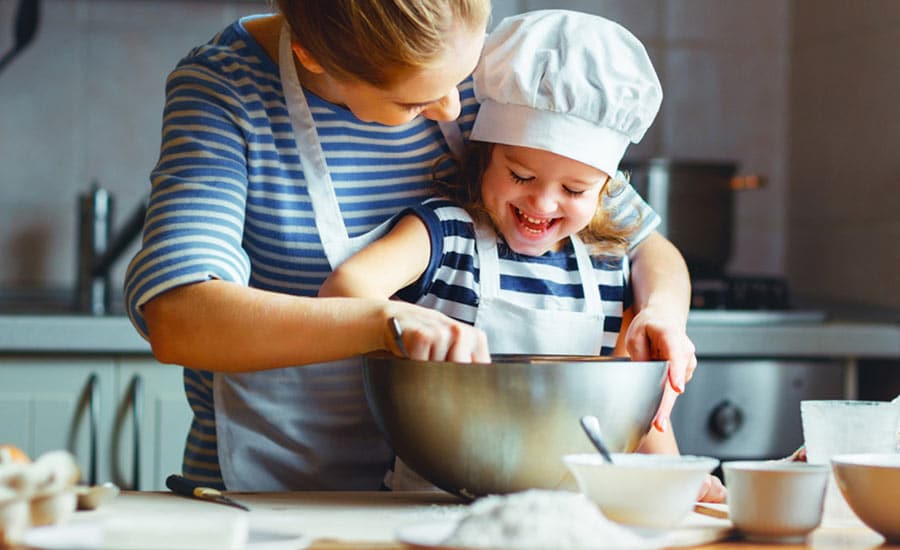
531, 220
533, 225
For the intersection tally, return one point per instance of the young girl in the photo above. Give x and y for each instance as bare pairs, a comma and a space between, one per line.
523, 245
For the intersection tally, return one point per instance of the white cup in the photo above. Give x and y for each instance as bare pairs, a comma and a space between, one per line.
833, 427
775, 501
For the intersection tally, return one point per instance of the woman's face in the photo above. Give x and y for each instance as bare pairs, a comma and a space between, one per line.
430, 92
538, 198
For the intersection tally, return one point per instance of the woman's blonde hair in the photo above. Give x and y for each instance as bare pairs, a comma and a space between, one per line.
376, 41
602, 234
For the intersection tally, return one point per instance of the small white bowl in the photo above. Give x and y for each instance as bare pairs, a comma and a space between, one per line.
645, 490
775, 501
871, 485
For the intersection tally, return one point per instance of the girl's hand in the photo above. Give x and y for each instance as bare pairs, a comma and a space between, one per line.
713, 490
432, 336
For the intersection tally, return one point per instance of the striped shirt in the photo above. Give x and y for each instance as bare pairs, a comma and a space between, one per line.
451, 281
229, 199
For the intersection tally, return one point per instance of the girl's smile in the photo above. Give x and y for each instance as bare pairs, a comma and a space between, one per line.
530, 224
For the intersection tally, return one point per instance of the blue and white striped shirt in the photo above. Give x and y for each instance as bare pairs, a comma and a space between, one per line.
451, 281
229, 199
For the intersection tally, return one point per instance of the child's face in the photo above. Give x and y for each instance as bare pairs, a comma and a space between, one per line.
538, 198
430, 92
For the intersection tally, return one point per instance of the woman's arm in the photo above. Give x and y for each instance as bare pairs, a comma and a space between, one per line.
662, 292
227, 327
657, 442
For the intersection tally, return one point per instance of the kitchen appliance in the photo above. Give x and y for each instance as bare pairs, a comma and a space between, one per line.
740, 293
735, 409
695, 201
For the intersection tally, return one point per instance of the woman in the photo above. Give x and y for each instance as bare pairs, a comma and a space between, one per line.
288, 141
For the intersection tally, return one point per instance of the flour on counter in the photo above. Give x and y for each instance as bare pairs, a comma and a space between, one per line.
539, 519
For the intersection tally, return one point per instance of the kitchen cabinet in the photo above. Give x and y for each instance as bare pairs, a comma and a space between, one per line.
124, 417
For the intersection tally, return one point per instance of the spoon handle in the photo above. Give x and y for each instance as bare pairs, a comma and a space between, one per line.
591, 426
397, 333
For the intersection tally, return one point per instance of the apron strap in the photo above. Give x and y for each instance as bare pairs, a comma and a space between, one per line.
489, 262
588, 276
454, 138
329, 222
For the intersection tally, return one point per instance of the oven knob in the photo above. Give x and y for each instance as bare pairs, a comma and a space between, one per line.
725, 419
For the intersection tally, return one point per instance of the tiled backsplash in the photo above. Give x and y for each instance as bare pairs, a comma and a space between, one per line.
83, 103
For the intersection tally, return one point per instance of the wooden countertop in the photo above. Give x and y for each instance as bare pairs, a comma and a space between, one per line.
345, 520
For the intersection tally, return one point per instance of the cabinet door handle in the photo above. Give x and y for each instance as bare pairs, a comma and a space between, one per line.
88, 400
94, 417
132, 402
137, 397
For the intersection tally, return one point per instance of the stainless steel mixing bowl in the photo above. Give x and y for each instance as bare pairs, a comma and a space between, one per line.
477, 429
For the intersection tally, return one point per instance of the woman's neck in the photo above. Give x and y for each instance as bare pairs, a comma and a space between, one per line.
266, 31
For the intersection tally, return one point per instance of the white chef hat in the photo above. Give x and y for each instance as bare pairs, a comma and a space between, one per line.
571, 83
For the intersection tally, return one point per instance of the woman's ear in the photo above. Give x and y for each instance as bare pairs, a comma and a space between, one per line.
306, 59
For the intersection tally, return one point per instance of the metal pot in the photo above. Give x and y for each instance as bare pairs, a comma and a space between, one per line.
478, 429
694, 200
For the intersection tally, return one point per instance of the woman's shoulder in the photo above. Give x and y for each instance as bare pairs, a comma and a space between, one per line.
233, 53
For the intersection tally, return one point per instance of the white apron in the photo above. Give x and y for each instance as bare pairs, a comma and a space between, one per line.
512, 328
305, 427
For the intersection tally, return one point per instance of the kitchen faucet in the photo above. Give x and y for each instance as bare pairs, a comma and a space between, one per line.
98, 249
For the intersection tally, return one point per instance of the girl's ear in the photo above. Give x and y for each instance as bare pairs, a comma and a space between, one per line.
306, 59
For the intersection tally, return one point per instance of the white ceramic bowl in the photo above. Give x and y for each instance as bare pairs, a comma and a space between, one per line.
871, 485
775, 501
645, 490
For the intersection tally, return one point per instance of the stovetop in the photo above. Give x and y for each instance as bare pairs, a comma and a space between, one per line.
740, 293
746, 300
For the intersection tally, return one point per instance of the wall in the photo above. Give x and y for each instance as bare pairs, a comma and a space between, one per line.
83, 103
844, 198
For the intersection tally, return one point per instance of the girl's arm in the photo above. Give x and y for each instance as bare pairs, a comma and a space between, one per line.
384, 267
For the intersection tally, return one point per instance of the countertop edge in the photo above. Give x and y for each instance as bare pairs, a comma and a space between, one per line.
832, 339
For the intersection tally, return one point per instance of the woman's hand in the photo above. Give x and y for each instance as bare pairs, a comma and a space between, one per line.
712, 490
653, 335
432, 336
662, 292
